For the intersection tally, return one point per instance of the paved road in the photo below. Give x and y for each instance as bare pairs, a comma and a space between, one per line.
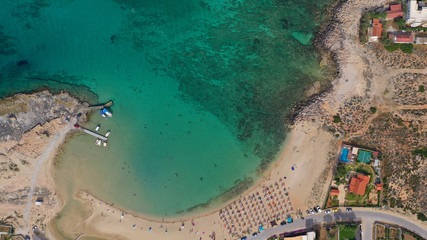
367, 216
368, 228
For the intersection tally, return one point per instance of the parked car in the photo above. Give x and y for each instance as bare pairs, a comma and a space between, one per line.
334, 209
254, 234
244, 238
349, 209
283, 223
311, 210
318, 209
327, 211
34, 228
308, 212
315, 209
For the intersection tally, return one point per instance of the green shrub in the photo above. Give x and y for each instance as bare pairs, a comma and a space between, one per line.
337, 119
407, 48
421, 88
391, 47
401, 23
422, 151
373, 110
421, 216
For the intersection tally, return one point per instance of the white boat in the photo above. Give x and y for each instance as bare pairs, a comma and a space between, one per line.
108, 133
109, 114
97, 128
105, 143
98, 142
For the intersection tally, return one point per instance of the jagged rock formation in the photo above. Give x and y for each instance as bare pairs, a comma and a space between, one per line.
22, 112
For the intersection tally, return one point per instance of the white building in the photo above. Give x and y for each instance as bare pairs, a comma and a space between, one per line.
417, 13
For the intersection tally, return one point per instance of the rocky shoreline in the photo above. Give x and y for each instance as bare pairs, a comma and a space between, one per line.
22, 112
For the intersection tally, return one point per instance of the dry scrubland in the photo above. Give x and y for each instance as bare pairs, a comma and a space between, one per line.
379, 102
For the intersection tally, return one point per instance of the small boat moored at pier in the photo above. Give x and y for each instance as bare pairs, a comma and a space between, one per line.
105, 143
108, 133
97, 128
102, 114
108, 113
98, 142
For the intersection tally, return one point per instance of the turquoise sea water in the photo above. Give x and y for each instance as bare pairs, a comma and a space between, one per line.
201, 90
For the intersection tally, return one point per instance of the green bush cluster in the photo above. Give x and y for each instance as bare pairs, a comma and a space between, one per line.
421, 216
406, 48
421, 88
422, 151
337, 119
373, 109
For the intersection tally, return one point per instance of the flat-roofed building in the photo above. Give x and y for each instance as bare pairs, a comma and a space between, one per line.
307, 236
417, 13
5, 229
421, 39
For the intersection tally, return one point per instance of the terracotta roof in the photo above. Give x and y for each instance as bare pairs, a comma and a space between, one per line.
395, 11
379, 186
358, 184
403, 38
335, 192
377, 28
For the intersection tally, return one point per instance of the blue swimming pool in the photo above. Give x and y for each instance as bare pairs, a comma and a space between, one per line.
344, 155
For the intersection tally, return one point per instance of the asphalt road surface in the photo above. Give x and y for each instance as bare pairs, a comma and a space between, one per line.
367, 216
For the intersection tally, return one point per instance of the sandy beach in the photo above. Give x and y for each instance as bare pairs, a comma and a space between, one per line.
309, 151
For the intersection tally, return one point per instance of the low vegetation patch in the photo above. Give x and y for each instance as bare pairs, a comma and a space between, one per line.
421, 217
404, 47
337, 119
347, 231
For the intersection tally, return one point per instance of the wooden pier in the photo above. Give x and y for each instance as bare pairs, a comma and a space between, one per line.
108, 104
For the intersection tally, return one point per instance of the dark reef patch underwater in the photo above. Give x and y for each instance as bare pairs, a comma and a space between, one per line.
202, 89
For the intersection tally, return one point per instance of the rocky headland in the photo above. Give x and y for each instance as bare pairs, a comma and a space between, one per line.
32, 128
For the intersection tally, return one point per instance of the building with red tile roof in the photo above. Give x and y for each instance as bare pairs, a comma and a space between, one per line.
377, 28
379, 186
335, 192
403, 38
395, 11
358, 184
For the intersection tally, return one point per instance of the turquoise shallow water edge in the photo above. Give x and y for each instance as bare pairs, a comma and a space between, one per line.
201, 90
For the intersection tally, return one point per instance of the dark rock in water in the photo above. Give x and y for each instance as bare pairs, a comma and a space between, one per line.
22, 63
284, 23
113, 38
256, 44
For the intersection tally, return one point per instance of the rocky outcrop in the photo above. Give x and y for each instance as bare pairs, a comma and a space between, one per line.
22, 112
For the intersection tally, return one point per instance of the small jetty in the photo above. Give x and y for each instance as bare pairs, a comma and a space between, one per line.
97, 107
95, 134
